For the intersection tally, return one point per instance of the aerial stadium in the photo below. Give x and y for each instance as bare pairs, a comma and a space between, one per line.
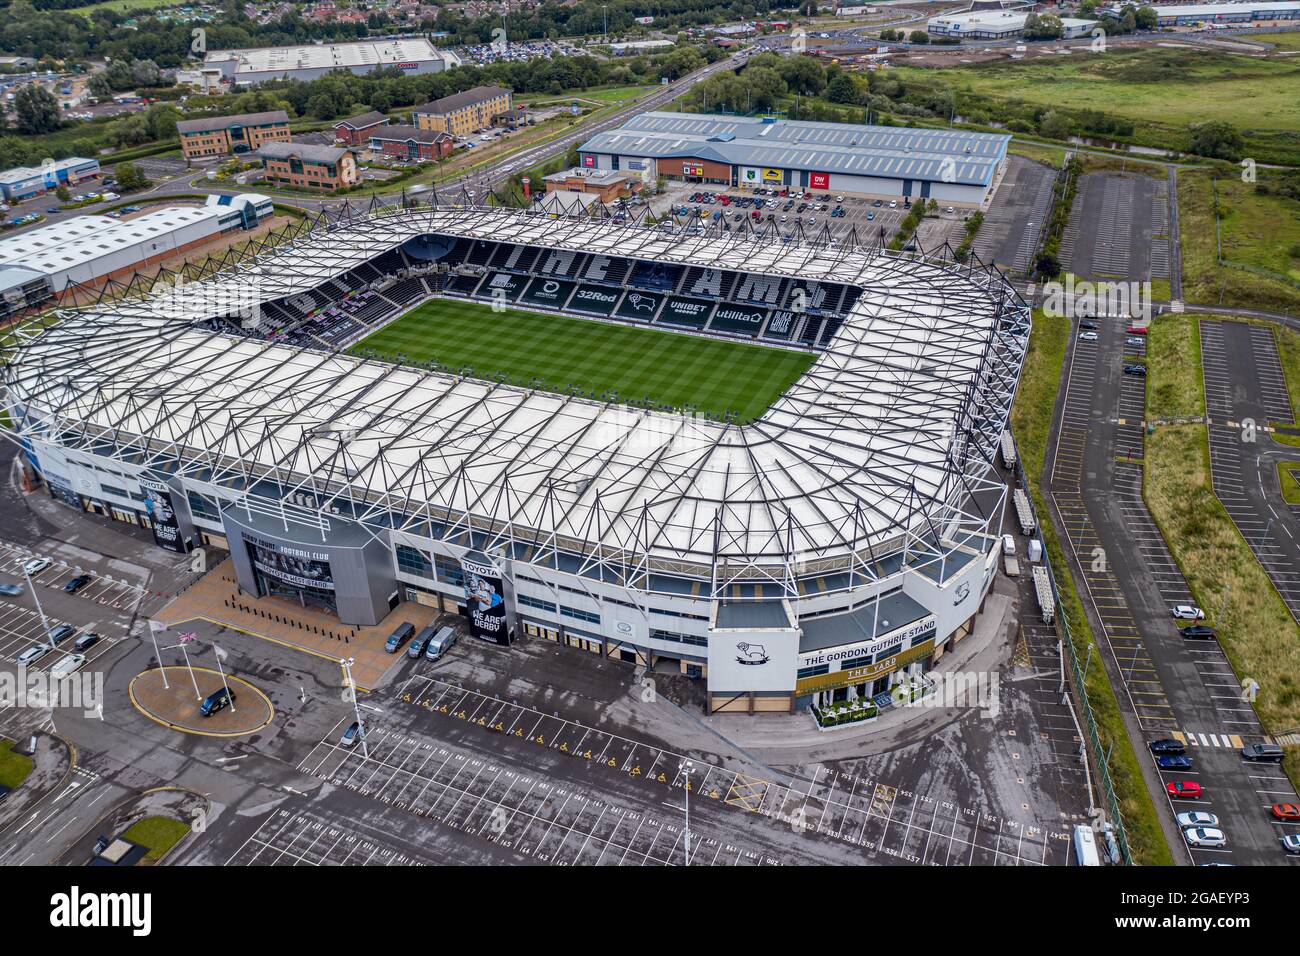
765, 464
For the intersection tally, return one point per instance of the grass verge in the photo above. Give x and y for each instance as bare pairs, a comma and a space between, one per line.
14, 768
1031, 420
1288, 476
1175, 381
1255, 628
159, 834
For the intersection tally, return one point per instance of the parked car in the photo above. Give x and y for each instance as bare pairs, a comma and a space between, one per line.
77, 583
400, 636
1184, 789
66, 666
1291, 843
1197, 818
33, 654
61, 633
1288, 812
11, 589
1167, 745
1134, 369
350, 736
1210, 837
1174, 762
1268, 753
36, 566
440, 643
1088, 336
1198, 632
1135, 340
85, 642
216, 701
420, 640
1187, 612
1089, 325
1136, 330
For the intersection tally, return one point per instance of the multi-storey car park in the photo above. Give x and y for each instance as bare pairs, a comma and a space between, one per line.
839, 541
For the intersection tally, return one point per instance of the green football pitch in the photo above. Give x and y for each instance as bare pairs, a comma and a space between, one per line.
673, 368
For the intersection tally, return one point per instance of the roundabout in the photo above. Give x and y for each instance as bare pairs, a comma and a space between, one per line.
167, 696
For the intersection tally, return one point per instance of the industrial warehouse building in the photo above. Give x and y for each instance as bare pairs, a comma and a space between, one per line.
1221, 14
1000, 25
25, 182
411, 55
952, 166
834, 549
90, 250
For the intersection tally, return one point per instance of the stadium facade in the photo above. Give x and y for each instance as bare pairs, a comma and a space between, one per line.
947, 165
843, 540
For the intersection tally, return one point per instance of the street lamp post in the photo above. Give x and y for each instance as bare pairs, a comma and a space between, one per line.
686, 768
220, 654
45, 623
347, 663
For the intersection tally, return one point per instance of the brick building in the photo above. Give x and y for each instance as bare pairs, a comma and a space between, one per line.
464, 113
408, 142
605, 185
223, 135
307, 166
355, 130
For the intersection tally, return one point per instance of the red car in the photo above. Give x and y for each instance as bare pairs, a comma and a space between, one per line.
1183, 789
1137, 330
1287, 811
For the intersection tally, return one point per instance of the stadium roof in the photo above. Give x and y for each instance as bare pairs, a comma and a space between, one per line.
880, 447
889, 151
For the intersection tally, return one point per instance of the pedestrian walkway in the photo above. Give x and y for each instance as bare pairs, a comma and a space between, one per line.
218, 599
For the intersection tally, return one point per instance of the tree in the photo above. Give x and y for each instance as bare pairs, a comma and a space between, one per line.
130, 177
62, 193
1217, 140
37, 110
1048, 265
842, 89
1055, 125
1147, 18
919, 36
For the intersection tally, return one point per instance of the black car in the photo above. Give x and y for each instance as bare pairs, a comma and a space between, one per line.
1089, 325
1135, 370
1168, 745
85, 642
1199, 632
77, 583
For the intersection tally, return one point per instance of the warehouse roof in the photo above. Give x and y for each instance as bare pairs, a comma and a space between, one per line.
364, 121
333, 56
1208, 11
458, 101
894, 152
211, 123
402, 133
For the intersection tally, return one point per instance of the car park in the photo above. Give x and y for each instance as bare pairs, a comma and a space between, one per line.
1184, 789
36, 566
1174, 762
1208, 837
77, 583
67, 665
1286, 812
1167, 745
1197, 818
1263, 753
1187, 612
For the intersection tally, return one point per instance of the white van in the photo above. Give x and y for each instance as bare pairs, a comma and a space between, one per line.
440, 644
66, 666
1085, 846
